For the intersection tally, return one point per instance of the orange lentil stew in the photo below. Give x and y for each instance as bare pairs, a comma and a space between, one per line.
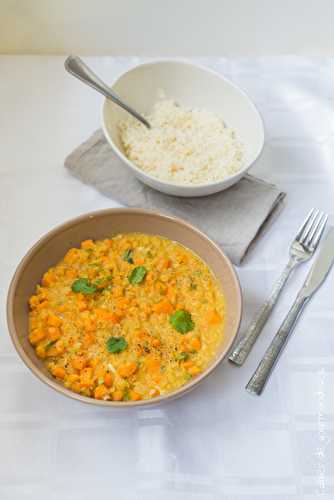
127, 318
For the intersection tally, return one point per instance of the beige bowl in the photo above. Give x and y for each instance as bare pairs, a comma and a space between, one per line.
98, 225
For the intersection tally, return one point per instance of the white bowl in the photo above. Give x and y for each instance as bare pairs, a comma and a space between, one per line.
192, 86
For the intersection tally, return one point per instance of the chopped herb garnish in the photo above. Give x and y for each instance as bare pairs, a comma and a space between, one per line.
187, 376
83, 285
181, 321
128, 256
193, 286
126, 396
100, 380
49, 344
116, 344
183, 356
137, 275
99, 282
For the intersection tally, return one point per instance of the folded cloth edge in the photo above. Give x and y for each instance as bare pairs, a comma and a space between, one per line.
73, 159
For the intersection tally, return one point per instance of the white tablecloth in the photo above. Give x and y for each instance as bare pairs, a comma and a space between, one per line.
217, 442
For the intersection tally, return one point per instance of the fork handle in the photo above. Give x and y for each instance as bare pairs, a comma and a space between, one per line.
265, 367
244, 347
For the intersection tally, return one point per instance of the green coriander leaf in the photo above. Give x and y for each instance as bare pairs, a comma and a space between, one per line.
49, 344
83, 285
181, 321
128, 256
182, 356
99, 282
116, 344
137, 275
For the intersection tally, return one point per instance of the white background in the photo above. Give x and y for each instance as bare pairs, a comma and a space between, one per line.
167, 27
218, 442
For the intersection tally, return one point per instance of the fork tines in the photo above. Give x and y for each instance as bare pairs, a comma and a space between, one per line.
310, 232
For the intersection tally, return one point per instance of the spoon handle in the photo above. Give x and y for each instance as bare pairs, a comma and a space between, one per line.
80, 70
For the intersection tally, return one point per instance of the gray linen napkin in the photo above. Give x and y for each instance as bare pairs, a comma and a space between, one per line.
233, 218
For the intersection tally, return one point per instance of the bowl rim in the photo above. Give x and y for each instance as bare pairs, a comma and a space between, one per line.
114, 404
163, 182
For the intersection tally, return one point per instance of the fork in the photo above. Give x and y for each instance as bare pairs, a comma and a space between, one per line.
302, 249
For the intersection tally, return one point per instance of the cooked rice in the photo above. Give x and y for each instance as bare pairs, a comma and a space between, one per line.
183, 146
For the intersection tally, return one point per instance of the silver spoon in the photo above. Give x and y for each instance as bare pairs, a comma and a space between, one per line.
79, 69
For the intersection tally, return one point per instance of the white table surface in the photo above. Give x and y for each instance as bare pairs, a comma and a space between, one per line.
217, 442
